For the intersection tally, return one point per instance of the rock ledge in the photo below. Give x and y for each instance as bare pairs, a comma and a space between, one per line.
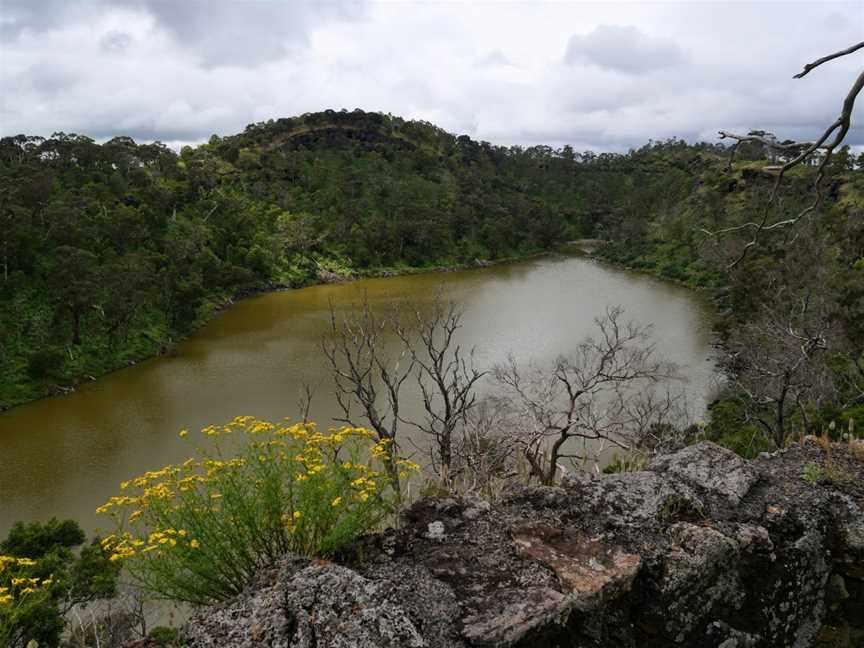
701, 550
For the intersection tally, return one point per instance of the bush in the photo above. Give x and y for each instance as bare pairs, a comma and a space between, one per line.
198, 531
27, 610
40, 574
163, 636
627, 463
46, 363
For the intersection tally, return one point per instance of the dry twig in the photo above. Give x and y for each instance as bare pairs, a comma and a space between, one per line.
839, 128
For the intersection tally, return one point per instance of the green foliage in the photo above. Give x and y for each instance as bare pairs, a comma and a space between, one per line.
198, 531
625, 463
111, 252
41, 577
36, 540
163, 636
729, 428
812, 473
46, 363
815, 473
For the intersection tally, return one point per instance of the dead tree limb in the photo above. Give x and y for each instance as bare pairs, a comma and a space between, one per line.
362, 370
827, 142
447, 379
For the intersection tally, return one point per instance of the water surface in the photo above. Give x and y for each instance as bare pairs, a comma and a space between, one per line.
64, 456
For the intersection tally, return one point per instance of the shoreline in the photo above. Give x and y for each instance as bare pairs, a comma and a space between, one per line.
586, 247
167, 347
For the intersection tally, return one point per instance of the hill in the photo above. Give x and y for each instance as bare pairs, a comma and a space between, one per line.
111, 252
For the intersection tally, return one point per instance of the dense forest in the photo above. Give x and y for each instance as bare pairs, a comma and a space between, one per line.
111, 252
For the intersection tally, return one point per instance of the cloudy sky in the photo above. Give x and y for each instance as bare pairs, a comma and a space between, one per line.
599, 75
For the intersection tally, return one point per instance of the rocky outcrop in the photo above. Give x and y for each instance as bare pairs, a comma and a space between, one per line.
702, 549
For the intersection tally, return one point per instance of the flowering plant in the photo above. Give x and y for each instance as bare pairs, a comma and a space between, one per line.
197, 531
20, 593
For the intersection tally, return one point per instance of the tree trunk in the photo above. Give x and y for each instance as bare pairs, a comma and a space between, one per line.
76, 327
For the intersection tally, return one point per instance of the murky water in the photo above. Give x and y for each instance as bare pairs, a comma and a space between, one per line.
64, 456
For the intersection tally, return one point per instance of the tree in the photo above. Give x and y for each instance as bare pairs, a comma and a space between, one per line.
42, 554
446, 377
73, 279
369, 378
591, 396
774, 361
362, 370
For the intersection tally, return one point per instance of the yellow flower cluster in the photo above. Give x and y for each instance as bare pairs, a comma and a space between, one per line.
212, 483
12, 561
125, 545
290, 521
19, 586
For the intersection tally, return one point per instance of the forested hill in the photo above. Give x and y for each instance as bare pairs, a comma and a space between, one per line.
109, 252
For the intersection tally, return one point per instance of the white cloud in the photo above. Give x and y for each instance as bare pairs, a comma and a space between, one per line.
182, 71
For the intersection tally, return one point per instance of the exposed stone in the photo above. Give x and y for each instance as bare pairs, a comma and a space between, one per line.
703, 550
589, 571
711, 469
512, 615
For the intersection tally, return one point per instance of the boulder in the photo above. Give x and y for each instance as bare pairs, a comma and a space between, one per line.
701, 550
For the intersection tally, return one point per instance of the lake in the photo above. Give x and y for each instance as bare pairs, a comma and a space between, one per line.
66, 455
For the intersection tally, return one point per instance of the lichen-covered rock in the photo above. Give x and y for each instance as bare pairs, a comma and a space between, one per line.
711, 469
702, 550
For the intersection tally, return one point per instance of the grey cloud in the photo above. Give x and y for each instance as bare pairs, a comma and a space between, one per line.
17, 16
245, 32
115, 42
179, 70
623, 49
217, 32
153, 133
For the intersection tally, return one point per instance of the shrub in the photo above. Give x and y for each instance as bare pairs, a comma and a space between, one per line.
626, 463
164, 636
46, 363
198, 531
40, 574
27, 610
812, 473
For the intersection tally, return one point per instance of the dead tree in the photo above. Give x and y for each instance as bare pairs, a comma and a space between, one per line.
446, 377
484, 458
369, 379
587, 398
368, 382
774, 363
799, 152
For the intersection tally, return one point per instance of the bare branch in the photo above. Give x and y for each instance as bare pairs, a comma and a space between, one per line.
827, 142
825, 59
356, 355
446, 377
588, 398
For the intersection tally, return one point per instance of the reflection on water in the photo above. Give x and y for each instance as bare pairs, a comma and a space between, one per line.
64, 456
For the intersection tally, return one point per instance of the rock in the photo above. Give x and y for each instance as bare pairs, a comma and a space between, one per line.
627, 499
698, 578
702, 550
330, 605
711, 469
513, 615
436, 531
587, 569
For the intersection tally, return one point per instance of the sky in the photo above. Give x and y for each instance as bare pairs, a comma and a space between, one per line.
605, 76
